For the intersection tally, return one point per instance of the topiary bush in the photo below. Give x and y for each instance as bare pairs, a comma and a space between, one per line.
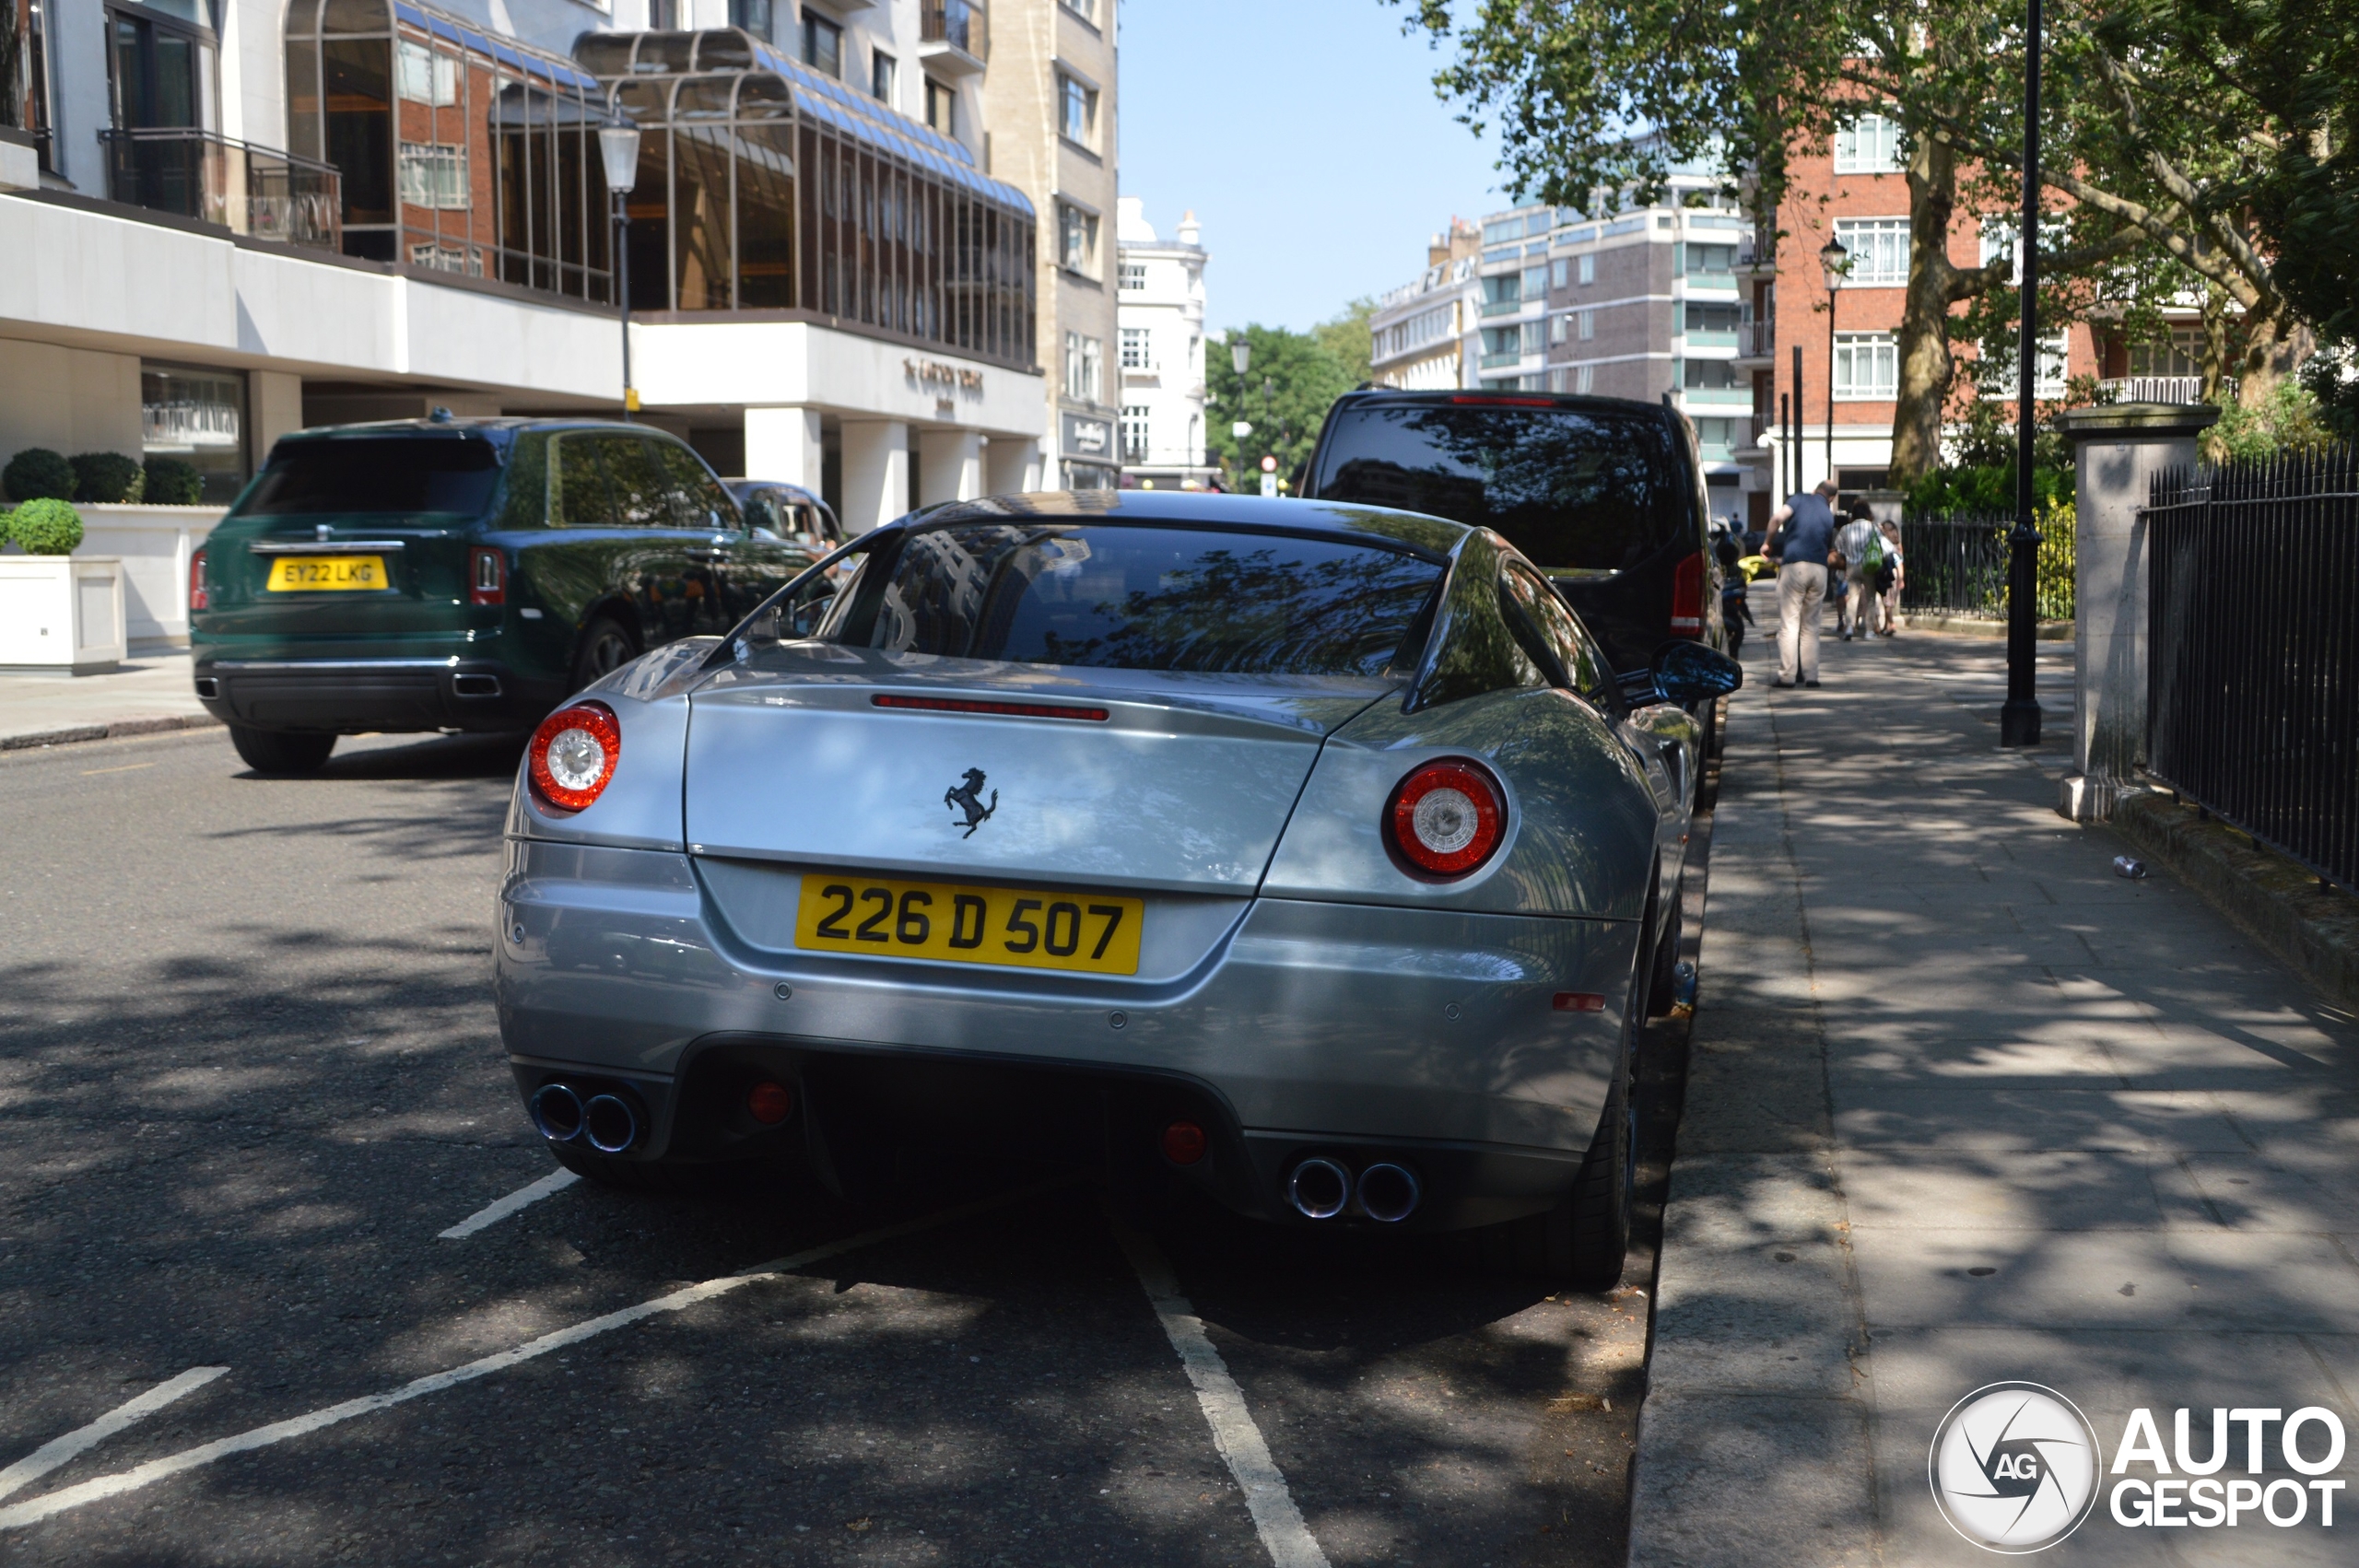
38, 473
104, 478
46, 526
171, 483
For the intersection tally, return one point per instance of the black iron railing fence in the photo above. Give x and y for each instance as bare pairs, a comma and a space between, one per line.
1957, 566
2252, 695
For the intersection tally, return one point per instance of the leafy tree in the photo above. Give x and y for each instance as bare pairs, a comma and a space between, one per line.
1348, 337
1302, 378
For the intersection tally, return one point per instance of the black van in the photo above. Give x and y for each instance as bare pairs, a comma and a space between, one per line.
1604, 494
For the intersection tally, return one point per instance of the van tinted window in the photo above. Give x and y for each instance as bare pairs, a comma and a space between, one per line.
378, 473
1577, 488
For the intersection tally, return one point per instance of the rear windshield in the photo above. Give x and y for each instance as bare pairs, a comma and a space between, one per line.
1151, 599
1582, 489
384, 473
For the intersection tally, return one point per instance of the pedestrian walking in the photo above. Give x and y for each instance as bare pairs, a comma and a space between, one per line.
1893, 578
1735, 614
1801, 532
1862, 547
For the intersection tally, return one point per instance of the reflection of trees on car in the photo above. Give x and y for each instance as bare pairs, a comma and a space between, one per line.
1563, 485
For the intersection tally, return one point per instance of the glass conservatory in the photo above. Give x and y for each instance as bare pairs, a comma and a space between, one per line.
460, 151
764, 186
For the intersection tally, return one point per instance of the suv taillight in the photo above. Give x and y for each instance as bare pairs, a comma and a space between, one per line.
198, 598
486, 577
1687, 597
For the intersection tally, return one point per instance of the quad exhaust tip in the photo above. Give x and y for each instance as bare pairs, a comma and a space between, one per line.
1388, 1192
608, 1123
1319, 1189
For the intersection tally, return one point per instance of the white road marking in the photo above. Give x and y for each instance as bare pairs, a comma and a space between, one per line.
1279, 1522
555, 1181
17, 1515
58, 1450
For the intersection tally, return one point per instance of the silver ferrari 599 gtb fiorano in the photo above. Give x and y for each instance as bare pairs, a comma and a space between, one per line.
1308, 853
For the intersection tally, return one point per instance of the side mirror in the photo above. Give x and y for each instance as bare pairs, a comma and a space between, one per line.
1687, 672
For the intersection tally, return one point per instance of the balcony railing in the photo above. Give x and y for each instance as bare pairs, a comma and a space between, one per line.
248, 190
956, 23
1502, 307
2161, 389
1493, 361
1756, 340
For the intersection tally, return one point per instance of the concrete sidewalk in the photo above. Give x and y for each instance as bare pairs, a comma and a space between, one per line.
150, 692
1965, 1106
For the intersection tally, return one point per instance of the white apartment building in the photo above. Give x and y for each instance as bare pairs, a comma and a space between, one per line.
227, 220
1421, 334
1161, 322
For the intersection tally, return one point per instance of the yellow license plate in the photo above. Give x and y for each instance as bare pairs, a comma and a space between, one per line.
1095, 932
327, 574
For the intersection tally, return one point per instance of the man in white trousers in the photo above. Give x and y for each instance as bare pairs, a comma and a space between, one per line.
1801, 533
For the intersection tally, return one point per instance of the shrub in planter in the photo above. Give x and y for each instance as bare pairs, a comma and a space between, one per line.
102, 478
38, 473
171, 483
46, 526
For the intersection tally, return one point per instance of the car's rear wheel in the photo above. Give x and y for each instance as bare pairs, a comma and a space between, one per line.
276, 751
1584, 1239
607, 647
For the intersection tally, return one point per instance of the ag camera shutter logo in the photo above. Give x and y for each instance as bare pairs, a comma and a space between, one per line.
2014, 1467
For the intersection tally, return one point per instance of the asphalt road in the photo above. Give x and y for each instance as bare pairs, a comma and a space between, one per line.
249, 1072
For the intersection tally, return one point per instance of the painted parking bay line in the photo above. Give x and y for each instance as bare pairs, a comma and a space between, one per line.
1275, 1518
16, 1516
491, 1214
81, 1440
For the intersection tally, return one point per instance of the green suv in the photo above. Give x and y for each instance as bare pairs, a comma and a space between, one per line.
458, 575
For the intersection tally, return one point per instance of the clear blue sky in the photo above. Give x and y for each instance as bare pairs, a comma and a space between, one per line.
1305, 135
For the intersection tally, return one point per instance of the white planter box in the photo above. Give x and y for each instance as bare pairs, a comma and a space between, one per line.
154, 544
60, 615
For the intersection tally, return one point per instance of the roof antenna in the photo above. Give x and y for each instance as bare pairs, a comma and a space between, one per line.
439, 415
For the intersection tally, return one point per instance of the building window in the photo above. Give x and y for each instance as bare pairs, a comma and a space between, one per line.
1134, 427
1077, 110
1587, 271
1588, 319
1557, 328
1870, 145
1867, 366
1084, 360
1134, 277
423, 76
1879, 248
823, 44
1706, 262
1138, 349
1076, 240
1585, 378
1506, 290
2049, 377
434, 174
663, 16
1531, 343
1535, 283
196, 415
881, 70
1086, 9
942, 108
1708, 375
1557, 273
757, 16
1703, 318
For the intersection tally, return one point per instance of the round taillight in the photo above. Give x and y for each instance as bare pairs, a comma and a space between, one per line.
1184, 1143
768, 1103
1447, 817
573, 755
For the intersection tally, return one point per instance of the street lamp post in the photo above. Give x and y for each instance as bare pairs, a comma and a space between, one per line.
1834, 260
618, 150
1240, 354
2019, 715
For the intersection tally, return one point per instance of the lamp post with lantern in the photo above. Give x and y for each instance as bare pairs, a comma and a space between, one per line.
1240, 354
618, 150
1834, 261
2019, 715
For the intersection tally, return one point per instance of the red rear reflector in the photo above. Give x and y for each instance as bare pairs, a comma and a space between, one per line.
1447, 817
1579, 1001
1687, 597
1511, 402
1006, 710
198, 598
768, 1103
573, 754
1184, 1143
487, 578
